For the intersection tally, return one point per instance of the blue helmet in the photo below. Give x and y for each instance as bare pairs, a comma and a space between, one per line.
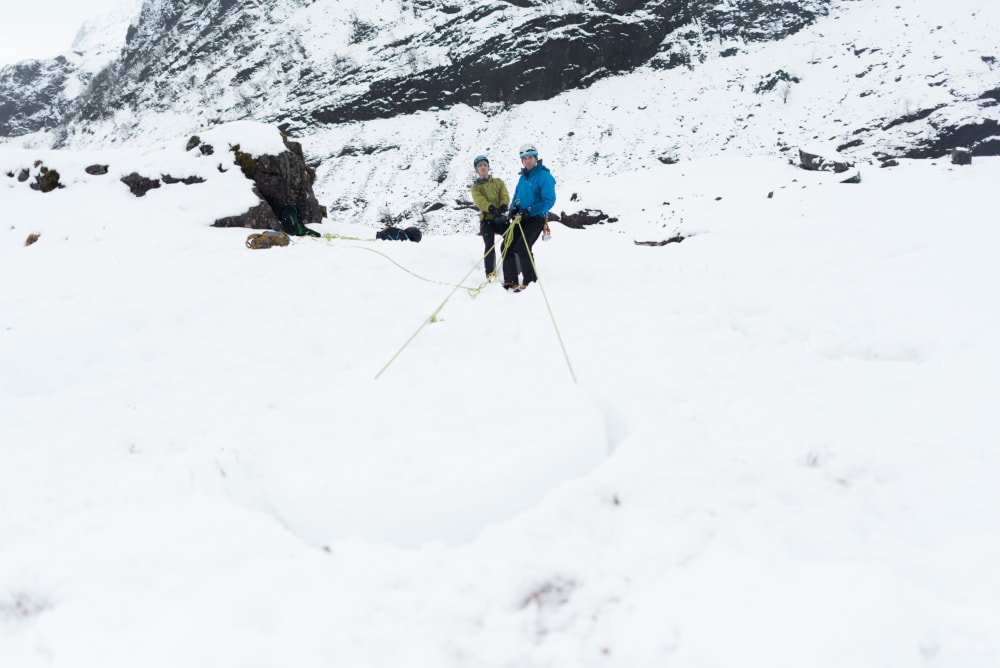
478, 159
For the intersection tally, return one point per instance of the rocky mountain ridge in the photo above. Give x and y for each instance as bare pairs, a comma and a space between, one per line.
303, 65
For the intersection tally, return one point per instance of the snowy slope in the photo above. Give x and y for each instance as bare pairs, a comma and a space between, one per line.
781, 449
101, 39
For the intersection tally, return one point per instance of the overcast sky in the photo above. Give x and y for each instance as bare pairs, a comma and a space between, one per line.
44, 30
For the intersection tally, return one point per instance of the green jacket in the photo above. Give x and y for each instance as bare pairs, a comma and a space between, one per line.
489, 191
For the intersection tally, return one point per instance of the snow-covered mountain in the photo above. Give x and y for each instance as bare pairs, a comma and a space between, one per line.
398, 95
305, 64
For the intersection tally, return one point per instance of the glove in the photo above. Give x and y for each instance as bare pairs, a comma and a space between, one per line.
493, 209
514, 211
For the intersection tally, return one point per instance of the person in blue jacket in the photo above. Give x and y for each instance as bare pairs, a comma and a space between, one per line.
534, 197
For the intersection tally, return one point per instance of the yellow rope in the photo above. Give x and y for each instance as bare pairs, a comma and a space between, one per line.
331, 237
531, 257
472, 291
508, 238
431, 318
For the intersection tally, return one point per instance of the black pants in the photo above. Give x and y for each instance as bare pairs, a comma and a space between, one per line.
489, 230
520, 252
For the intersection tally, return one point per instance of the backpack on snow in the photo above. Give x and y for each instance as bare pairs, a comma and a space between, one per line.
291, 222
396, 234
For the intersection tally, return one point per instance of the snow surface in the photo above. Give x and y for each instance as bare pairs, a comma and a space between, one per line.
781, 451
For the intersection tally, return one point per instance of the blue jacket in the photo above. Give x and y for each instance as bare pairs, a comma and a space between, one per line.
535, 192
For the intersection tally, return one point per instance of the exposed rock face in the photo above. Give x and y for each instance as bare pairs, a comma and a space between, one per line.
972, 123
286, 178
541, 69
979, 136
260, 217
278, 180
813, 162
31, 96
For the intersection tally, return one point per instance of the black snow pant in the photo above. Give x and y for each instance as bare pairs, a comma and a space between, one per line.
489, 230
520, 252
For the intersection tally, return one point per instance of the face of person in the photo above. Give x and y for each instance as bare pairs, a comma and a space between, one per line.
483, 169
529, 162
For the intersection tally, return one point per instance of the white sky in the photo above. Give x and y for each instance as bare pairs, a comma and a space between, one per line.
27, 32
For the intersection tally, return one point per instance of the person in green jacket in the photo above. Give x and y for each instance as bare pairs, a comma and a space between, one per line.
491, 198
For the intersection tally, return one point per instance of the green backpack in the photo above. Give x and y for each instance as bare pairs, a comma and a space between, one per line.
291, 222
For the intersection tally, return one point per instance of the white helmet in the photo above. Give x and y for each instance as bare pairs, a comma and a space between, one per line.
528, 149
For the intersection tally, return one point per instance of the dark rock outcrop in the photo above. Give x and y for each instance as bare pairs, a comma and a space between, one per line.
140, 185
961, 156
771, 81
581, 219
980, 137
259, 217
187, 180
278, 180
286, 178
813, 162
46, 180
676, 239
